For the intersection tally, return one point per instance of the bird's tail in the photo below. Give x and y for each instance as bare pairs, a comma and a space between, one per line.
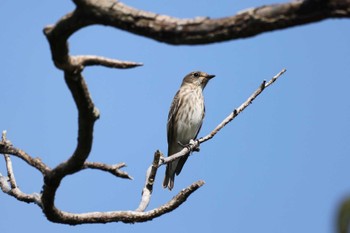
169, 176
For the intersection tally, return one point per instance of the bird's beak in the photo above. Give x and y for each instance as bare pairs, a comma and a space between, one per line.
210, 76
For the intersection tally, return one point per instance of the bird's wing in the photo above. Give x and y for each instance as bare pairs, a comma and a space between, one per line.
183, 160
172, 147
174, 107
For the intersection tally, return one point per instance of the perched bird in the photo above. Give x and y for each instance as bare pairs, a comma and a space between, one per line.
185, 120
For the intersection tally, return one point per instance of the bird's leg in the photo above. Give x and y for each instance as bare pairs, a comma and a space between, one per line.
178, 142
190, 145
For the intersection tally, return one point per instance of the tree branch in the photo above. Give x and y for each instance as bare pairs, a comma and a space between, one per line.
195, 144
241, 108
203, 30
90, 60
128, 216
9, 185
177, 31
87, 116
150, 178
162, 28
7, 148
113, 169
58, 35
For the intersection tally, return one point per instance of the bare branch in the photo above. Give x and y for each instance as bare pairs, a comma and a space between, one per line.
7, 148
203, 30
57, 36
243, 106
56, 215
18, 194
195, 144
199, 30
113, 169
126, 216
87, 115
90, 60
10, 174
8, 162
150, 178
72, 66
10, 186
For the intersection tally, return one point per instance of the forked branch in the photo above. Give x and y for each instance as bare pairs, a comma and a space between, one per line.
160, 160
199, 30
195, 144
125, 216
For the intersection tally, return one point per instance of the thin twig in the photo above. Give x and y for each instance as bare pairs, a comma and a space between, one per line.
8, 162
195, 144
10, 186
10, 173
240, 109
91, 60
7, 148
113, 169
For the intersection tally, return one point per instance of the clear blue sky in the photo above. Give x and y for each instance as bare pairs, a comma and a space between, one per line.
281, 167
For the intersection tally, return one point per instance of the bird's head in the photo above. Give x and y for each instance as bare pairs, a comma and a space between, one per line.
197, 78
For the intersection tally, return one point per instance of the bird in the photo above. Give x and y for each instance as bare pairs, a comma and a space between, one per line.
185, 120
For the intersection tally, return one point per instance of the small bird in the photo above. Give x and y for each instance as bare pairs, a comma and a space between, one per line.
185, 120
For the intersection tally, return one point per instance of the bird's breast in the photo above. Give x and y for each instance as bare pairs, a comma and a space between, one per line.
190, 116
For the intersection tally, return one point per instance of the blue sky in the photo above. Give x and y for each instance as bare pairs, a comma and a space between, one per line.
282, 166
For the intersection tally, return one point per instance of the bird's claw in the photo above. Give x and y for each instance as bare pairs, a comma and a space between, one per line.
190, 145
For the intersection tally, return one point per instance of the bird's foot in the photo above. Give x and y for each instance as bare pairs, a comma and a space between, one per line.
190, 146
194, 142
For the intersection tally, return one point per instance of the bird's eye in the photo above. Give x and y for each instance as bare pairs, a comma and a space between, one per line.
196, 74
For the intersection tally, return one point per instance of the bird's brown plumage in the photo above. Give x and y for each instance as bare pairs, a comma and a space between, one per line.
185, 120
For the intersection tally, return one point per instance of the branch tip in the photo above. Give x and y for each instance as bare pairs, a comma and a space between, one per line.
3, 135
113, 169
92, 60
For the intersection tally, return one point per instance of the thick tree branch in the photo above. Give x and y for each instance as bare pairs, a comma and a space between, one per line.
58, 35
199, 30
87, 115
203, 30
